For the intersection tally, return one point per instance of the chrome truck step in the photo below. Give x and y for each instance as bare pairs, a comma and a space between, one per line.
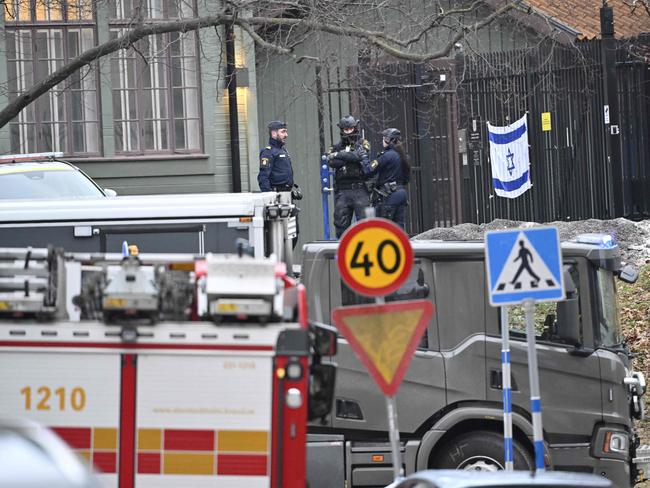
642, 461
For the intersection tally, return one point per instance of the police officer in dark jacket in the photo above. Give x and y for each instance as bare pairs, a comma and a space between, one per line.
393, 170
348, 157
276, 172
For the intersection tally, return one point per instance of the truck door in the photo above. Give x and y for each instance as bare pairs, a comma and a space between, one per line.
359, 403
569, 374
461, 316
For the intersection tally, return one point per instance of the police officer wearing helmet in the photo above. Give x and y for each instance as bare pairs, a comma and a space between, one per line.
393, 170
348, 158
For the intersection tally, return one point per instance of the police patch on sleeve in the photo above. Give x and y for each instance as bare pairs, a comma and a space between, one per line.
366, 145
264, 162
374, 164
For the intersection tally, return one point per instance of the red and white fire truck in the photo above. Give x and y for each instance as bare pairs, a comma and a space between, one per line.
150, 397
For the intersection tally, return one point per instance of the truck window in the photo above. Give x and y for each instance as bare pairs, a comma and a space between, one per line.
546, 313
460, 300
415, 287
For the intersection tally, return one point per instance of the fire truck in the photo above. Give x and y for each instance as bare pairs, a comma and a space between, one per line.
187, 223
182, 370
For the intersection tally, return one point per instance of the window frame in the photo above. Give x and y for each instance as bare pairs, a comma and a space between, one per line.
65, 25
586, 297
117, 25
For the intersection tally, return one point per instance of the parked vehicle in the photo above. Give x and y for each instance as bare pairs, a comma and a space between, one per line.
221, 402
188, 223
45, 176
450, 402
516, 479
32, 456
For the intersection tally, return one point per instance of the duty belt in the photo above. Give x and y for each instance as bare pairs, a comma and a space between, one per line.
283, 188
350, 186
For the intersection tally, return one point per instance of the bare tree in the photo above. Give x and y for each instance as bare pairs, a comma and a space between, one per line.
280, 26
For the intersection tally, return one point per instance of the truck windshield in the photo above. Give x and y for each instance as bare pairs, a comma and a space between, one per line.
610, 328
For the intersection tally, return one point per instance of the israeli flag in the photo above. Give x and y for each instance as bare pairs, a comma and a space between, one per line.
509, 158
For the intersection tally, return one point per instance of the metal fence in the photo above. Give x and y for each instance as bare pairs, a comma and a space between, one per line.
575, 174
573, 167
412, 99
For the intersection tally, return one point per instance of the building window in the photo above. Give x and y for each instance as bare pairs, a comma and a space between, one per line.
155, 84
41, 37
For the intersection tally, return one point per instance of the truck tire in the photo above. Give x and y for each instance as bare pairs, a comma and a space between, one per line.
480, 451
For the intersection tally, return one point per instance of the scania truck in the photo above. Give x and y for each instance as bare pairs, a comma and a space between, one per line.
450, 403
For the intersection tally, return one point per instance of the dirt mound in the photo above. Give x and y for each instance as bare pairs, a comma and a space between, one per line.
633, 238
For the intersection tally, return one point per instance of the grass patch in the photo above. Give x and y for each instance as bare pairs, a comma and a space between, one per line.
634, 303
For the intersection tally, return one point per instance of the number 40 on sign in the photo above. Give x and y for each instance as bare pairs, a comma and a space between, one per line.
375, 257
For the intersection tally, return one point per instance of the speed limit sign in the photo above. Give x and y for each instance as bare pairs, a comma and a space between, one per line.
375, 257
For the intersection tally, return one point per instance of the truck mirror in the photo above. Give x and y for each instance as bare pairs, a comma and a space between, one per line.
322, 378
568, 321
628, 274
323, 339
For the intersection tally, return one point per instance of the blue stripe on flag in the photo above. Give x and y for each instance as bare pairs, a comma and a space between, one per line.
507, 137
510, 185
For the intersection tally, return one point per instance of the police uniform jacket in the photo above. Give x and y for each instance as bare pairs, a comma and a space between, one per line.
276, 172
349, 162
388, 167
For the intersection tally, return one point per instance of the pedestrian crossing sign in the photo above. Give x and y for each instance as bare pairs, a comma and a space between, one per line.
524, 265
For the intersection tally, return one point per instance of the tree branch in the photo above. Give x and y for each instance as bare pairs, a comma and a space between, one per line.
390, 45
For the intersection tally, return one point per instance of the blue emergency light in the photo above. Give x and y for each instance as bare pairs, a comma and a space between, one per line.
601, 240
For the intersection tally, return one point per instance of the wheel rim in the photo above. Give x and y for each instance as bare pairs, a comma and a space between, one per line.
480, 463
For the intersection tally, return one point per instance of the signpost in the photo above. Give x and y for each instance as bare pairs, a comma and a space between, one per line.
524, 266
375, 258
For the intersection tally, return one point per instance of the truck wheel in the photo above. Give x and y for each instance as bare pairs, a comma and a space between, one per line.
479, 451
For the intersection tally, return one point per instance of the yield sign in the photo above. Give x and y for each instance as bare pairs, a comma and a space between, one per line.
384, 337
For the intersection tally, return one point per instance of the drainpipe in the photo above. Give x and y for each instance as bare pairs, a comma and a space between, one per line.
233, 117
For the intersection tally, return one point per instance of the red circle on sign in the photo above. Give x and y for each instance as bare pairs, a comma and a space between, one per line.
396, 234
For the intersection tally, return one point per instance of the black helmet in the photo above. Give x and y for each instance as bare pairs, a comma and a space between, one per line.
391, 135
348, 122
276, 124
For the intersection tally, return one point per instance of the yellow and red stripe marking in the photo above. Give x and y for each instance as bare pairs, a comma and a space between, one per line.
202, 452
96, 444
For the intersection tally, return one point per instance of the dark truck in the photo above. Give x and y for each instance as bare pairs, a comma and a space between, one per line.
450, 403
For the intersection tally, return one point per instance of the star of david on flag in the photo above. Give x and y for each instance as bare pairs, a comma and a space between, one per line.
509, 158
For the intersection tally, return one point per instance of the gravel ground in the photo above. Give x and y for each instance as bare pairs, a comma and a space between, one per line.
633, 238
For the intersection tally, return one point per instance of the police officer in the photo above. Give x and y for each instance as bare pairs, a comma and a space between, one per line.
276, 172
348, 157
393, 170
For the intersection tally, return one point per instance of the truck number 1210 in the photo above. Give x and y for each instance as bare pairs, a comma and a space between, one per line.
43, 397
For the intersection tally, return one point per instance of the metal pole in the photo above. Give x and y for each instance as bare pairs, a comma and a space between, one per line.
533, 376
233, 117
325, 191
393, 430
610, 91
507, 390
393, 433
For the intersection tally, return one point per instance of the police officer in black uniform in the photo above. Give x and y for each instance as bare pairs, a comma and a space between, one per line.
393, 170
276, 172
348, 157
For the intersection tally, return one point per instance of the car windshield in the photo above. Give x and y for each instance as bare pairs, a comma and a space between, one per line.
610, 328
46, 183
